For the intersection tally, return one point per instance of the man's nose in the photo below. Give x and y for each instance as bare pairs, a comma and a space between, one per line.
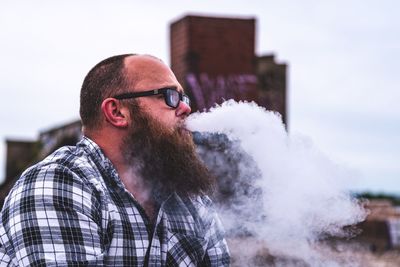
183, 109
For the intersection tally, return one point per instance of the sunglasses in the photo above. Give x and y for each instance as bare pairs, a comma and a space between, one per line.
171, 96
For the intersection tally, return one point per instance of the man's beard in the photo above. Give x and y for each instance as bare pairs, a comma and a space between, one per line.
165, 159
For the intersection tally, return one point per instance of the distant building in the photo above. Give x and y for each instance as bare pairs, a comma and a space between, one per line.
381, 229
19, 155
214, 59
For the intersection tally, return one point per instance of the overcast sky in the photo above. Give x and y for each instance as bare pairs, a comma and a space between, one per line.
343, 57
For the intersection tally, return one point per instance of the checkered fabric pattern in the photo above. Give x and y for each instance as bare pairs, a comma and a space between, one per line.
72, 209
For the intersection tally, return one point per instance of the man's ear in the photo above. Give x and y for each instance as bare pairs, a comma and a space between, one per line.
115, 113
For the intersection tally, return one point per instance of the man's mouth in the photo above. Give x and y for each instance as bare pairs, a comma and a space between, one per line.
183, 131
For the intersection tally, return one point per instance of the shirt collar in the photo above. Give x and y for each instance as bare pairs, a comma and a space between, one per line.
97, 155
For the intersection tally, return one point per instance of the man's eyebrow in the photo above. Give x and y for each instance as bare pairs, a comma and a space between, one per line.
172, 87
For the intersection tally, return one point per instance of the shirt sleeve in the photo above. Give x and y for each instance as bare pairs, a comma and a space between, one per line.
51, 217
217, 253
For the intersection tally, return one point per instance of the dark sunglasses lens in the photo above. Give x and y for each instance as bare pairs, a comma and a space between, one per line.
172, 98
186, 100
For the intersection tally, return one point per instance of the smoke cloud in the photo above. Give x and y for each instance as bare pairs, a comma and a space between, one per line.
280, 196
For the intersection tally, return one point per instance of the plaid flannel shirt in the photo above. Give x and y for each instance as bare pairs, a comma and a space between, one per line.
71, 209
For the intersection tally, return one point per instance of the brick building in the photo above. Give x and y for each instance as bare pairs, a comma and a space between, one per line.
214, 59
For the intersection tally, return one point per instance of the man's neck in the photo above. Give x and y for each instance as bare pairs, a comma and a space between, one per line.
134, 183
141, 191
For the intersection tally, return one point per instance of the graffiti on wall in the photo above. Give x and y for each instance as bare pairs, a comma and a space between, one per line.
207, 90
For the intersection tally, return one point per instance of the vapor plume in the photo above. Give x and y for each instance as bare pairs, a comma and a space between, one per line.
280, 195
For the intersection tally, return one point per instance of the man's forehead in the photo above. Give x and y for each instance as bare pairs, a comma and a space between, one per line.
148, 71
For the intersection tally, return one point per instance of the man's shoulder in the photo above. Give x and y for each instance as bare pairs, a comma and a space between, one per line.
67, 157
66, 168
201, 208
203, 204
66, 164
196, 203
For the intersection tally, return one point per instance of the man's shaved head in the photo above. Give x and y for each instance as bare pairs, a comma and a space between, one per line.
105, 79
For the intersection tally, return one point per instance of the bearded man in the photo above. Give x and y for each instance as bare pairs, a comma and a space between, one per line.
132, 192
